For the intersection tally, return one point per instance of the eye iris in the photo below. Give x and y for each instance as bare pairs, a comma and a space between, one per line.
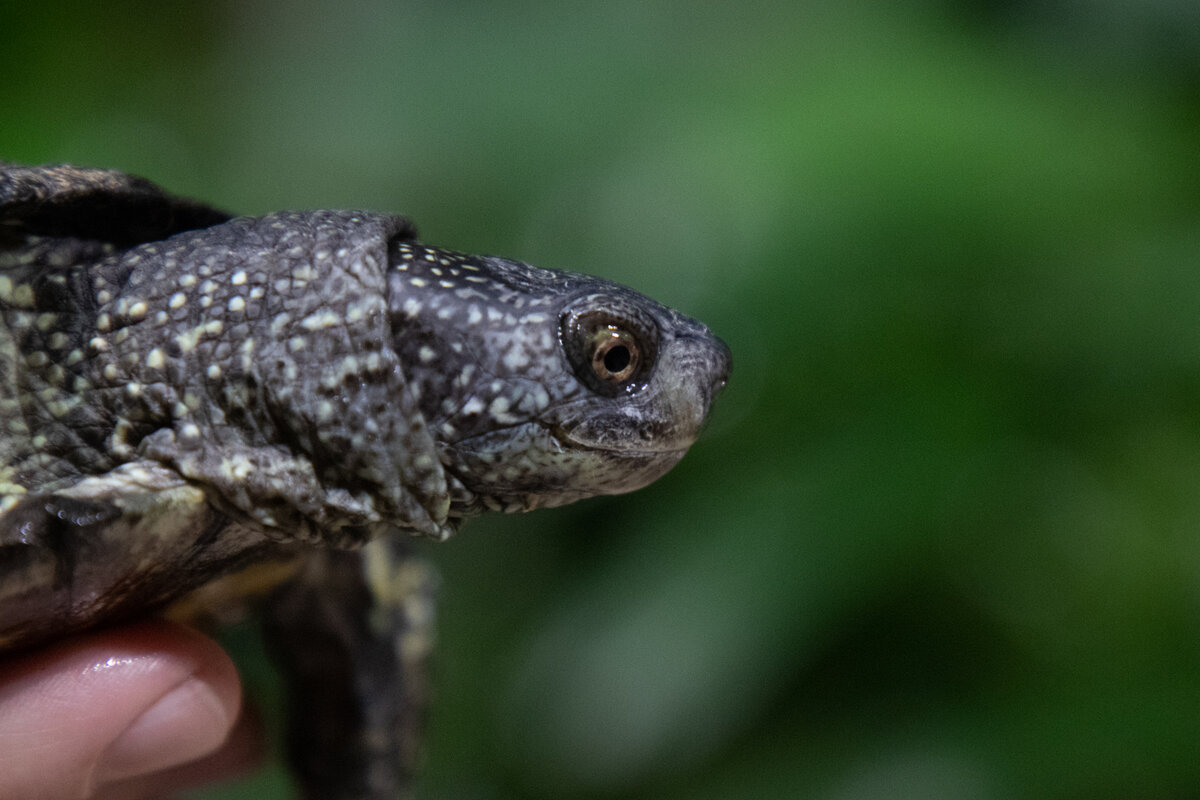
615, 356
609, 344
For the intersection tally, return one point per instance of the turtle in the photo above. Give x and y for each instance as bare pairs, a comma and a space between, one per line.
198, 408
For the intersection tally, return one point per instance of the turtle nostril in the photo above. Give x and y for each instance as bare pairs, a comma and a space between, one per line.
723, 367
709, 360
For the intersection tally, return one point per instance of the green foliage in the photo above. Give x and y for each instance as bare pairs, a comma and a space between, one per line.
943, 536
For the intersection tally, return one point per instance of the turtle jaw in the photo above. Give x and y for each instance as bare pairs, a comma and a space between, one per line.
597, 445
660, 419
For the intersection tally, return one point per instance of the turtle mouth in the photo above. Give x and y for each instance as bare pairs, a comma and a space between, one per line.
546, 466
563, 434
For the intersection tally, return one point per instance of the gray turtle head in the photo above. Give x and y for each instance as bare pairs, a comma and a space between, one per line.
543, 387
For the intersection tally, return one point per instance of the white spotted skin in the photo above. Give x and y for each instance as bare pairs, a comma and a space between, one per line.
215, 348
326, 378
517, 427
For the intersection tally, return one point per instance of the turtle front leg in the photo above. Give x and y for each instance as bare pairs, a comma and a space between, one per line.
113, 546
351, 635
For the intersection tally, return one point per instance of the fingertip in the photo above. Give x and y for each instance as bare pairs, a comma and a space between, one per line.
242, 753
113, 704
186, 723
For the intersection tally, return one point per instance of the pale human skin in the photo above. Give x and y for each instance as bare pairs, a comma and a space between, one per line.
128, 713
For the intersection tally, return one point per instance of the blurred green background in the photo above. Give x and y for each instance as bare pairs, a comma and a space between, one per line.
942, 537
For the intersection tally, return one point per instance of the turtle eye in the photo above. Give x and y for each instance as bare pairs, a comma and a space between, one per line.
615, 354
612, 349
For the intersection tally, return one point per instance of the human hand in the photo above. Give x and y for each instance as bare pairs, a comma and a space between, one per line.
121, 714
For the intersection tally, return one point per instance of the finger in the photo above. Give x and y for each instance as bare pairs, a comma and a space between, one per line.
112, 705
241, 754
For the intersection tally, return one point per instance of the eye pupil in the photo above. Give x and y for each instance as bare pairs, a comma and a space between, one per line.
617, 358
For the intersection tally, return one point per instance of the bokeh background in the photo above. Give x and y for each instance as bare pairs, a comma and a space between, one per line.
942, 537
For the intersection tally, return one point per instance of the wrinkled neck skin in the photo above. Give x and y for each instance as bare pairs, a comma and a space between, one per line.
516, 428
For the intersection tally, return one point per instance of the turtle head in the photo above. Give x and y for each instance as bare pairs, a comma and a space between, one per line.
543, 387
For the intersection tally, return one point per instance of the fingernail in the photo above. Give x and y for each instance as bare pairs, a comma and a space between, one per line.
184, 724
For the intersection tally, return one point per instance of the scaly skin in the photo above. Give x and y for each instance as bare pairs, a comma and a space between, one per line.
183, 394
